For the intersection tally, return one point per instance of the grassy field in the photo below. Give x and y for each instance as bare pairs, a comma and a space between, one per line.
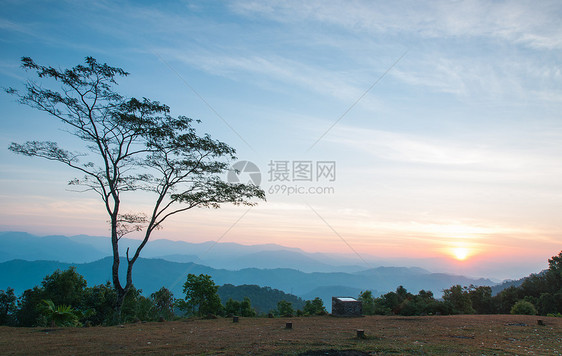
432, 335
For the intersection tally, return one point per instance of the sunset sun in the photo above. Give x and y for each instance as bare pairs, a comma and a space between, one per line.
460, 253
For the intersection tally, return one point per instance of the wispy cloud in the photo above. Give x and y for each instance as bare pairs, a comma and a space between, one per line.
535, 25
406, 147
270, 71
482, 77
488, 158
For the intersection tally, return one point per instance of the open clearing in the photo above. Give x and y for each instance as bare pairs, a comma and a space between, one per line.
465, 334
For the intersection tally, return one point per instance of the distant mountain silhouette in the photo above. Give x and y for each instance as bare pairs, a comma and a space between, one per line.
167, 263
284, 259
84, 248
21, 245
151, 274
512, 283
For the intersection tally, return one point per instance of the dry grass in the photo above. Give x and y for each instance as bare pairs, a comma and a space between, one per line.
467, 334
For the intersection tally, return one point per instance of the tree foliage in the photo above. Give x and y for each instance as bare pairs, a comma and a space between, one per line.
201, 297
459, 300
63, 293
481, 299
523, 307
101, 299
314, 307
368, 302
61, 315
285, 308
543, 290
78, 304
163, 302
64, 287
129, 145
240, 308
8, 307
402, 302
263, 299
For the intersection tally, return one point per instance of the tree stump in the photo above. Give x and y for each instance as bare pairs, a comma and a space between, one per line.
540, 322
360, 334
288, 325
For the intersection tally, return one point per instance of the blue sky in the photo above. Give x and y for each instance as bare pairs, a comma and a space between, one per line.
456, 146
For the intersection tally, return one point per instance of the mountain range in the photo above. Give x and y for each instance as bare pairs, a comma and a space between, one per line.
151, 274
232, 256
26, 259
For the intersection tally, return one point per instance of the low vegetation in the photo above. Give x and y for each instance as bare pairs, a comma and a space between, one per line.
64, 299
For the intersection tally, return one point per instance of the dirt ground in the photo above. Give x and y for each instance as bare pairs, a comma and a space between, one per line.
442, 335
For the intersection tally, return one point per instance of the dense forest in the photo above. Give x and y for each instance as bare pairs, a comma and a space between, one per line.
64, 299
264, 299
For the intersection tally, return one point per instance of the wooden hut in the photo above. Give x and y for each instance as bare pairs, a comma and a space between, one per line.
346, 306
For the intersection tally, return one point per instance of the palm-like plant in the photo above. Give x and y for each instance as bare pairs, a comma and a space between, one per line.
61, 315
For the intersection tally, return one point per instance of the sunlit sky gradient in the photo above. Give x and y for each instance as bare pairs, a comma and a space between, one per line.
454, 152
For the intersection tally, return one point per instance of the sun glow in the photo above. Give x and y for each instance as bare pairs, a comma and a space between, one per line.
460, 253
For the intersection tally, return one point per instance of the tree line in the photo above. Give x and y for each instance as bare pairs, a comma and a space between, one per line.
538, 294
63, 298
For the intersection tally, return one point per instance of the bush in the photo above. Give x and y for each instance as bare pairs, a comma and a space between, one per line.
315, 307
524, 307
285, 308
136, 307
243, 308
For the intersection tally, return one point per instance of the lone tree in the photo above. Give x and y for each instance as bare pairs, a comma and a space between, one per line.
129, 145
201, 296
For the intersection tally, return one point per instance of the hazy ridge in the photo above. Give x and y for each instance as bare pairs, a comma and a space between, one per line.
27, 259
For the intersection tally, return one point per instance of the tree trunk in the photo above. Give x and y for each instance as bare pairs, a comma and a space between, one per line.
121, 292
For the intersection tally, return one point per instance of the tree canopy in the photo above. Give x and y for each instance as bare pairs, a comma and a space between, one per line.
129, 145
201, 297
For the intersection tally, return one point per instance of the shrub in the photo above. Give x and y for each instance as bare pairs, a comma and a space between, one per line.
524, 307
285, 308
315, 307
